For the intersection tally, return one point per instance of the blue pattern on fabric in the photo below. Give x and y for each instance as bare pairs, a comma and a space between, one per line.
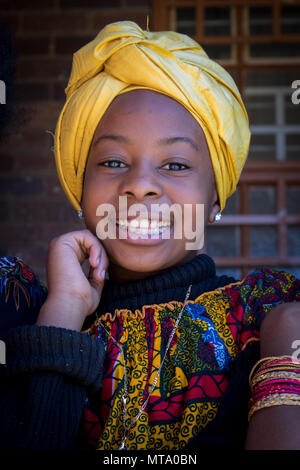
211, 336
195, 311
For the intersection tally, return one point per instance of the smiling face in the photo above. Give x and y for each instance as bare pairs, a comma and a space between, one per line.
150, 149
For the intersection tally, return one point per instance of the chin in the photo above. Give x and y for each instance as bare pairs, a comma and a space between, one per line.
147, 259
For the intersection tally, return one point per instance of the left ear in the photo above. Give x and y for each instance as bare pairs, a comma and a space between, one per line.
215, 207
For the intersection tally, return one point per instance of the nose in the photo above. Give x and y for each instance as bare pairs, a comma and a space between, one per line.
140, 183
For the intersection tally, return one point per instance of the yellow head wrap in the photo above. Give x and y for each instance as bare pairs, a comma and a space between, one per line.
122, 58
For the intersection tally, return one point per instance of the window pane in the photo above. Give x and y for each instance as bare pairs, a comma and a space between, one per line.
232, 204
261, 109
232, 272
292, 199
222, 241
262, 147
272, 77
218, 51
263, 241
262, 200
274, 49
294, 270
294, 241
293, 146
186, 21
292, 111
290, 19
260, 20
217, 21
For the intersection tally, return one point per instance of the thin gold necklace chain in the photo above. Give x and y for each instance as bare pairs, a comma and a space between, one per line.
126, 429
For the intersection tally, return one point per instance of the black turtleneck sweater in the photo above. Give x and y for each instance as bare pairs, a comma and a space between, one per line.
50, 371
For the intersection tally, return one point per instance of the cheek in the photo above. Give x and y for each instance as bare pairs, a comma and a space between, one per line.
195, 202
92, 193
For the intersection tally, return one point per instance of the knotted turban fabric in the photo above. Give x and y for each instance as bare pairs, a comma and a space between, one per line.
123, 57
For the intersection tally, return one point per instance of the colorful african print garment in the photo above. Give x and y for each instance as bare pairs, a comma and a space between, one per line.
17, 278
21, 294
214, 328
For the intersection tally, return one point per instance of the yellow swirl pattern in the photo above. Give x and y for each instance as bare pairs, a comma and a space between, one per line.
182, 413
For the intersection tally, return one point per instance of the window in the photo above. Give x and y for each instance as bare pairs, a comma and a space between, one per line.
258, 43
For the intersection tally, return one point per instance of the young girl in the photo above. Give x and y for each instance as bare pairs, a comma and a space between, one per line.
152, 350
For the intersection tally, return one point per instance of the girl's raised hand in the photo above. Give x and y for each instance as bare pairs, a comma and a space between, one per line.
71, 295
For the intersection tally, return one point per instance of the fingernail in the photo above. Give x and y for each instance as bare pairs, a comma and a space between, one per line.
103, 272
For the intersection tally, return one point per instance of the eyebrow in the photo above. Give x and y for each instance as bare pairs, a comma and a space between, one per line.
161, 142
174, 140
115, 138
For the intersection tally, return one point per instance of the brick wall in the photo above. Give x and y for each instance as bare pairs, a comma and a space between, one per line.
33, 207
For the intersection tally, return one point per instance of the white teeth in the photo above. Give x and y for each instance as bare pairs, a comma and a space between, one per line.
143, 224
133, 224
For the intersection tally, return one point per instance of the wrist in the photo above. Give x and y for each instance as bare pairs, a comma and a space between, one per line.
63, 311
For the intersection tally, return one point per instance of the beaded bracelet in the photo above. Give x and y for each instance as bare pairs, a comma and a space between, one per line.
274, 381
262, 376
276, 400
271, 364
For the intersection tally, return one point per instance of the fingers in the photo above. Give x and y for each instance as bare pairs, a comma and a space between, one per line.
98, 273
96, 254
82, 244
91, 248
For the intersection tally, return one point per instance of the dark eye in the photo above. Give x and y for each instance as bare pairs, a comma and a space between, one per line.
176, 166
113, 164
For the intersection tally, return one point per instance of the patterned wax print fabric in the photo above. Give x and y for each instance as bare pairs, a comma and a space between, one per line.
214, 328
21, 294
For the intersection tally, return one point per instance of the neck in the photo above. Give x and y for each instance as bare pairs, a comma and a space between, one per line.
121, 275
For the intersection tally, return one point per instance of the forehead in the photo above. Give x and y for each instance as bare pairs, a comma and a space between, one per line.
148, 109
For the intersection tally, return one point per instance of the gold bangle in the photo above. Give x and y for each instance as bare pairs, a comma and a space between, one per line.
277, 399
268, 360
249, 340
261, 377
271, 369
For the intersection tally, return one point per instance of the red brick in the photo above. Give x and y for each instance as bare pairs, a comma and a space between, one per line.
6, 162
11, 22
138, 3
29, 92
20, 185
34, 163
5, 209
14, 233
32, 46
90, 4
27, 140
69, 45
45, 210
100, 20
59, 92
55, 22
42, 68
33, 138
28, 5
52, 229
43, 117
53, 187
